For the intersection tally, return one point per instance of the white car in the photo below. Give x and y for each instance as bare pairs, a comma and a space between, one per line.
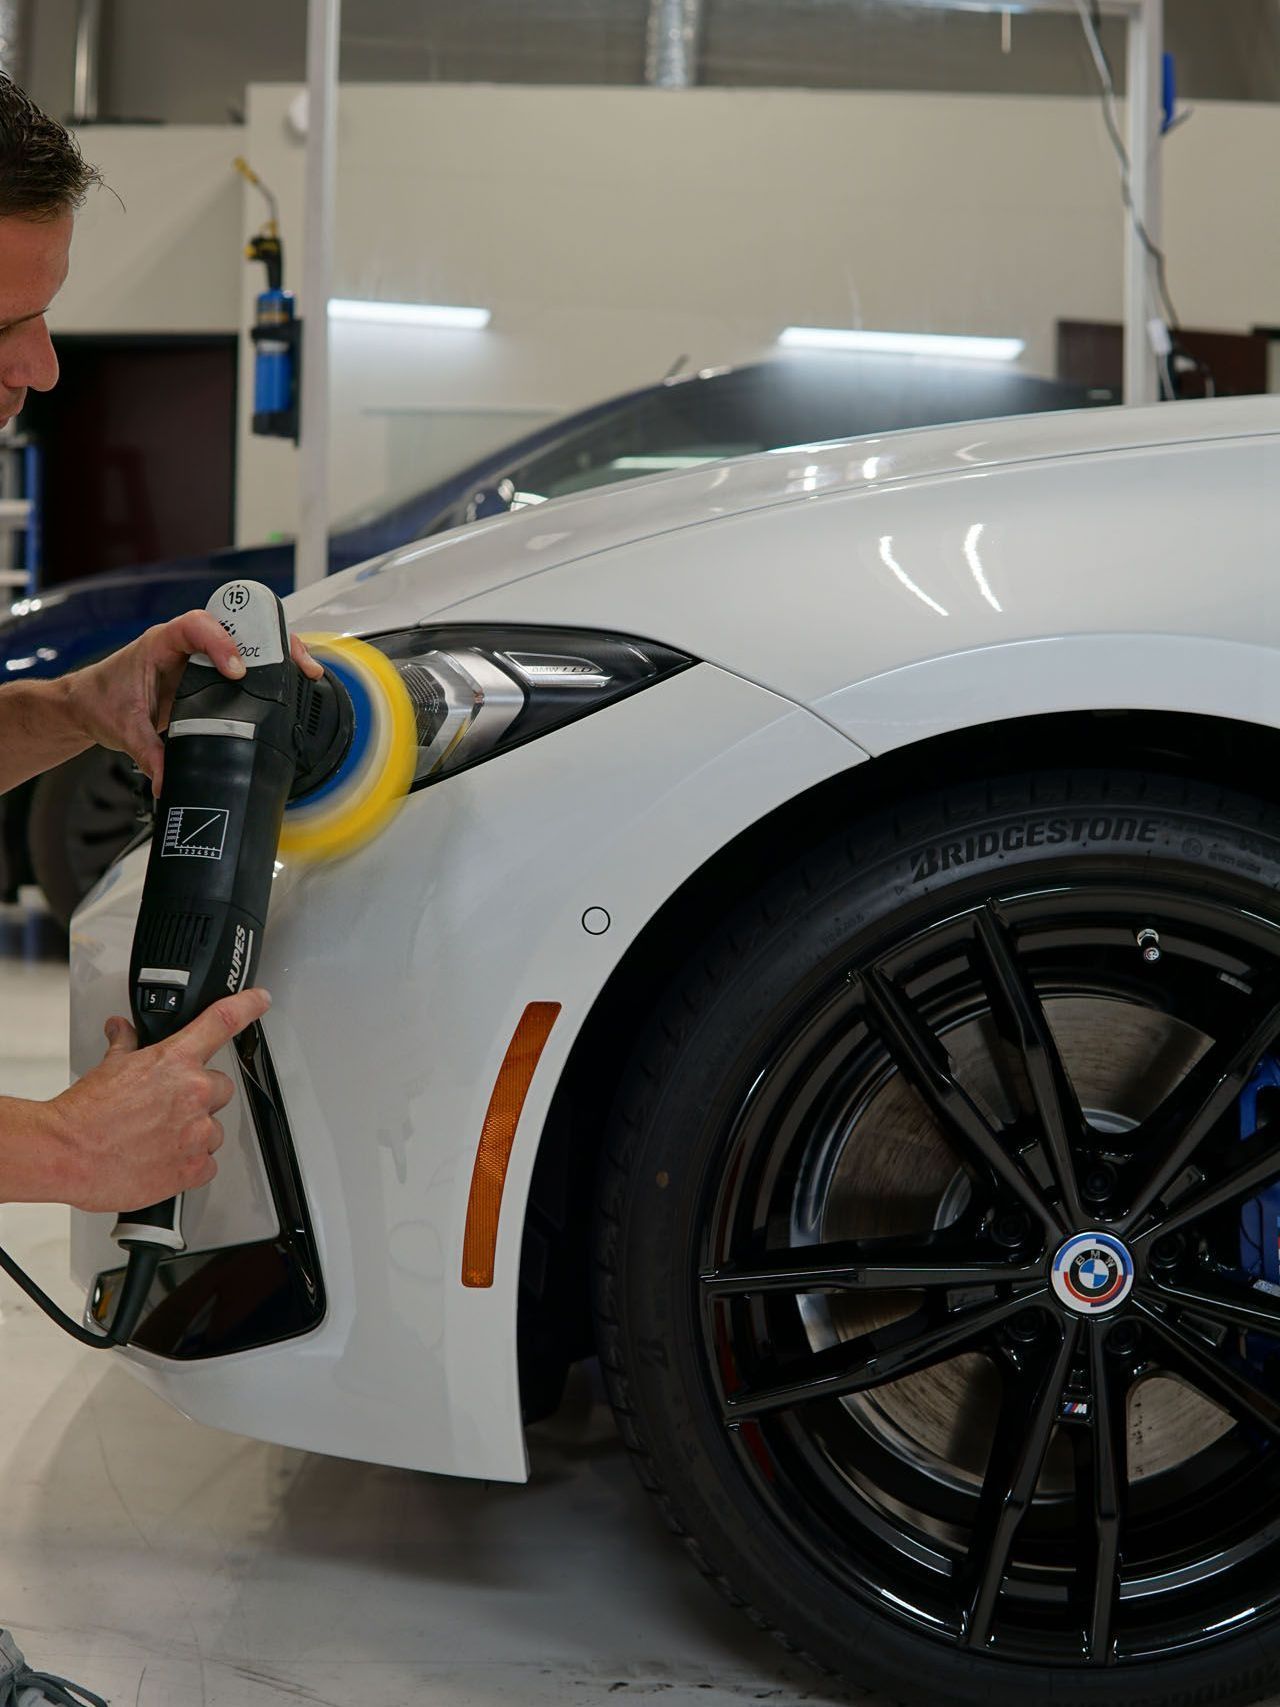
830, 966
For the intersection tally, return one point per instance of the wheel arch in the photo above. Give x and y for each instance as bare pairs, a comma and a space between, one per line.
554, 1318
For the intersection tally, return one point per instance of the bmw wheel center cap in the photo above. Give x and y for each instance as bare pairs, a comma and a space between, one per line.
1091, 1273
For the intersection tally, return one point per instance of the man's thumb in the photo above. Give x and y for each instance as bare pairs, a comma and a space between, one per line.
121, 1037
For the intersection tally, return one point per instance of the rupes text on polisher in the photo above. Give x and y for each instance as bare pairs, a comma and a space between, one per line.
1030, 833
239, 949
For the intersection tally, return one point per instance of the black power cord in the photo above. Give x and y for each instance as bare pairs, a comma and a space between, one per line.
18, 1680
143, 1262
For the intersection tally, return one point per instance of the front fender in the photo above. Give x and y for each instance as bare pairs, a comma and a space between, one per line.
1199, 675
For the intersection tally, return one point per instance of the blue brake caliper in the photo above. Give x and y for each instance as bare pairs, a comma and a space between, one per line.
1260, 1216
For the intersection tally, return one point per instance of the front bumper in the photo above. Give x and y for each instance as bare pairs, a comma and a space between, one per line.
398, 977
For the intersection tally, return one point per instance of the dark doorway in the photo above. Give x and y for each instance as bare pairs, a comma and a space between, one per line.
1091, 352
138, 439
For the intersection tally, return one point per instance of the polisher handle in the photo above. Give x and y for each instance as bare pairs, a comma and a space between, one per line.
229, 764
160, 1224
234, 753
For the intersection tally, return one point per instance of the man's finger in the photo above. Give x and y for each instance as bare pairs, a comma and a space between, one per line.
197, 631
221, 1091
146, 750
121, 1037
218, 1024
303, 659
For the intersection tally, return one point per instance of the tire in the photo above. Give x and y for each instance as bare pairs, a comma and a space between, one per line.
83, 813
15, 857
791, 1094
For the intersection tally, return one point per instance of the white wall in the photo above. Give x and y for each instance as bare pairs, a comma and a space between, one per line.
612, 230
168, 259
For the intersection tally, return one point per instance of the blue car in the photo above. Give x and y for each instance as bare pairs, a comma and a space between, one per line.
64, 829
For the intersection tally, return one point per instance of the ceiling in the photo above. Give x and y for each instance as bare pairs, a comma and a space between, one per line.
190, 63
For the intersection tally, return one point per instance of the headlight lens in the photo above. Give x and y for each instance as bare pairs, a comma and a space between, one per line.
479, 691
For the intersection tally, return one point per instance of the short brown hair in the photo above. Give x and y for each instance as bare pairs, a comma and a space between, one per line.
42, 171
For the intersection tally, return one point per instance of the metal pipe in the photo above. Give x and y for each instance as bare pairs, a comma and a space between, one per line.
311, 562
672, 41
84, 105
13, 39
1145, 20
1145, 61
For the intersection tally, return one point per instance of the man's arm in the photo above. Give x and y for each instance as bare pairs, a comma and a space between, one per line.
35, 1163
38, 729
139, 1128
122, 703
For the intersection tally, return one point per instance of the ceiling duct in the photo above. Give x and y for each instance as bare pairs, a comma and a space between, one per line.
671, 48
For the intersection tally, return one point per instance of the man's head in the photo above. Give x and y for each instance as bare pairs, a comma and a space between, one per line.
43, 180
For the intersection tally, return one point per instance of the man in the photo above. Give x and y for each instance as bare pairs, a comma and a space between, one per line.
142, 1126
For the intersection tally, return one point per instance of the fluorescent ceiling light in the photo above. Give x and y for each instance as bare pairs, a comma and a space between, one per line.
410, 314
1016, 6
903, 343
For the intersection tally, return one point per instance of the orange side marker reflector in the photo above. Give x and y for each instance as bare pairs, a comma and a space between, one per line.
497, 1135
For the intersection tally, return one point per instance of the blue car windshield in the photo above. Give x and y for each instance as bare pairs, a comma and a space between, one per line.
768, 407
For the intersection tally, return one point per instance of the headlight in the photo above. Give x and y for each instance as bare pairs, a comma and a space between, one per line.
479, 691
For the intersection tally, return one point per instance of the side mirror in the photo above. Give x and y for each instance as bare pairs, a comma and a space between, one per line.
492, 500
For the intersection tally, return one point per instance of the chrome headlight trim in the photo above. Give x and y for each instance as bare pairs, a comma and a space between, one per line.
479, 690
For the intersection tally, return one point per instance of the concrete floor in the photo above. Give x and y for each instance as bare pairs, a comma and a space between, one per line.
164, 1564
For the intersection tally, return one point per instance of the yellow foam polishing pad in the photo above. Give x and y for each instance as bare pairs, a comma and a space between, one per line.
363, 795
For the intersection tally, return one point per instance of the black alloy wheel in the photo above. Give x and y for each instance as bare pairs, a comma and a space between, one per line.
83, 813
939, 1267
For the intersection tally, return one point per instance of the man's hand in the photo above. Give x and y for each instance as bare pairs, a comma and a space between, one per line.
140, 1127
124, 702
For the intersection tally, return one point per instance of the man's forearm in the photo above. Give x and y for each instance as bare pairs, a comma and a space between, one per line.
35, 1161
38, 728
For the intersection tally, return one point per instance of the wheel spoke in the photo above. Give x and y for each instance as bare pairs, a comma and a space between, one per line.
1261, 1168
1024, 1428
1220, 1377
870, 1360
1109, 1382
922, 1059
1193, 1108
1021, 1018
1227, 1305
898, 1264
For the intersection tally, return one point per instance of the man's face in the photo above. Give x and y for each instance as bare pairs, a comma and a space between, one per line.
33, 265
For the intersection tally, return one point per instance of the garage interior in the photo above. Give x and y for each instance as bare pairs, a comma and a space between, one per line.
617, 193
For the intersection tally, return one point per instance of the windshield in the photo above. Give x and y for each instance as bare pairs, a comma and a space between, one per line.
769, 407
685, 423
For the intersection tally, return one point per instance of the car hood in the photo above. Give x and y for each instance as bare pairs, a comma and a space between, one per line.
423, 582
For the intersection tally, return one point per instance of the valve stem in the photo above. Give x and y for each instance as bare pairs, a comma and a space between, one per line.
1149, 943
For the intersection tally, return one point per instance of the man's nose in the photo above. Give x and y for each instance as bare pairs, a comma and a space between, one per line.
30, 362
